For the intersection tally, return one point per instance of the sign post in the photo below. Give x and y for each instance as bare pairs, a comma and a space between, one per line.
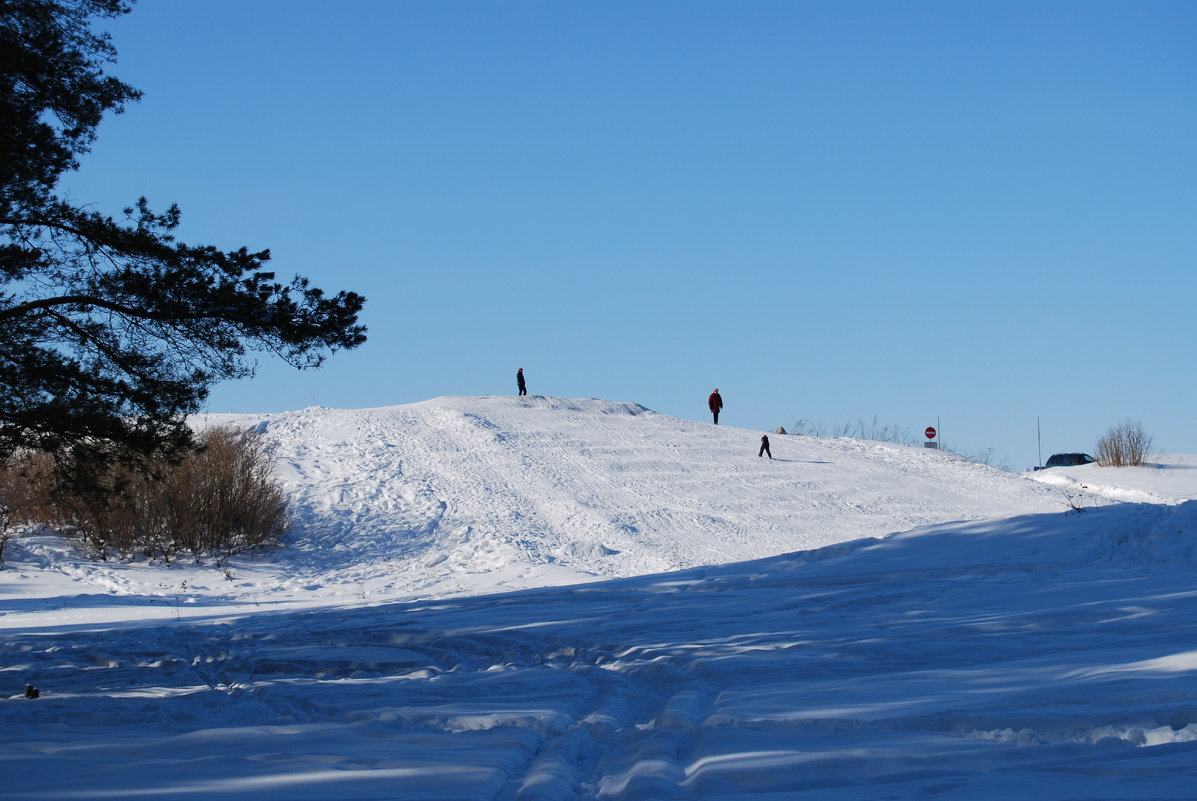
931, 432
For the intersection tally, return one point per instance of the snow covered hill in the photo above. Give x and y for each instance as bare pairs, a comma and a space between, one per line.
467, 494
481, 494
851, 621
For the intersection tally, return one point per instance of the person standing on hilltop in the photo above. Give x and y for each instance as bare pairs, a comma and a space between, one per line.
715, 403
519, 380
765, 446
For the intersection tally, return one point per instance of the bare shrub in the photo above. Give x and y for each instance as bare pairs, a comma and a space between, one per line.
1124, 445
219, 500
224, 499
873, 431
989, 458
117, 511
25, 482
4, 535
806, 428
1074, 503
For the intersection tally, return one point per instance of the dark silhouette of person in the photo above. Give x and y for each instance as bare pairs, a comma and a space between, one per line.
519, 379
765, 446
715, 403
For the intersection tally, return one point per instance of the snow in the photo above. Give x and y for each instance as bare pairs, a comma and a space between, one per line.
540, 598
1166, 478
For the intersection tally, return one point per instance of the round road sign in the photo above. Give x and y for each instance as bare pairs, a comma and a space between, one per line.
930, 432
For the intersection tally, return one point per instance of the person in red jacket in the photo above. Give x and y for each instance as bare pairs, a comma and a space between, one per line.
715, 403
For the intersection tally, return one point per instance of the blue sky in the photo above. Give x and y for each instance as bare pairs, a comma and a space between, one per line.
982, 214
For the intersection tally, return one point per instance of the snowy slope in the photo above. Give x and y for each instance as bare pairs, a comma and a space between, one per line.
853, 621
468, 495
462, 494
1047, 656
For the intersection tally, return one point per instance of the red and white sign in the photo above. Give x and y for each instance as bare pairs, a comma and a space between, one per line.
930, 432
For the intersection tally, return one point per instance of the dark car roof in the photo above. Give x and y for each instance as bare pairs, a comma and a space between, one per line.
1082, 458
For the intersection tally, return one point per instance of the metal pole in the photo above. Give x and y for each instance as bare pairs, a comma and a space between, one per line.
1039, 438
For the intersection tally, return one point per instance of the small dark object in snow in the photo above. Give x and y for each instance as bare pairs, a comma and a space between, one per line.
31, 691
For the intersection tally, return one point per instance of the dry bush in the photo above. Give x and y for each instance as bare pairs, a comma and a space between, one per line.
1124, 445
26, 481
872, 431
24, 494
219, 500
117, 511
224, 499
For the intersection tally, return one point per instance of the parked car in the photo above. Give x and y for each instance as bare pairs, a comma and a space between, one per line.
1068, 460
